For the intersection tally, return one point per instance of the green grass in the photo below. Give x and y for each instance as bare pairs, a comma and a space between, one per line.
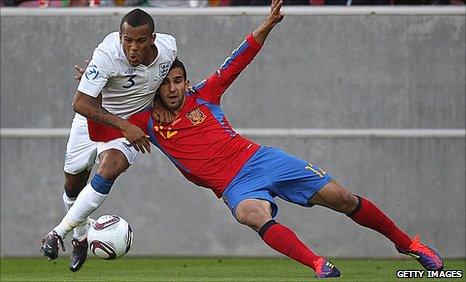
204, 269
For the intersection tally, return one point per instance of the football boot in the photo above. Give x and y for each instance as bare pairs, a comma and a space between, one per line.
49, 245
425, 255
326, 269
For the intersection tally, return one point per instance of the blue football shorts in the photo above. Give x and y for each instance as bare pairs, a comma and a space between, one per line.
271, 173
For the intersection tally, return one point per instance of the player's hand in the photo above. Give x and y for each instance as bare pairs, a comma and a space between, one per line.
275, 15
162, 115
137, 138
80, 70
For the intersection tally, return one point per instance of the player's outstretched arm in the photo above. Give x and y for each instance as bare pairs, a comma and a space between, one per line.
214, 87
275, 16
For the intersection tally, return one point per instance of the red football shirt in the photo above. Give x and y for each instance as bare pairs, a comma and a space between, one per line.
200, 141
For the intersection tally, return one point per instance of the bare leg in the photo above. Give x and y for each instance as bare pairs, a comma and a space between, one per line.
112, 164
74, 183
361, 210
335, 197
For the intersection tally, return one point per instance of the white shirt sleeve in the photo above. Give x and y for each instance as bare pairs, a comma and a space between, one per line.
173, 47
97, 73
167, 42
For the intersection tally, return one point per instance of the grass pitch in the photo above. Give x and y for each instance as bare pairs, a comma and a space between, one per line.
205, 269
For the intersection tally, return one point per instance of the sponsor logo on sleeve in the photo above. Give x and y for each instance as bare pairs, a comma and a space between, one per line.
92, 72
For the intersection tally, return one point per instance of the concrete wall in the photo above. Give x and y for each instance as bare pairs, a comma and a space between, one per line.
319, 69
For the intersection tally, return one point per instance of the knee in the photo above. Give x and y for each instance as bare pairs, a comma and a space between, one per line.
348, 201
74, 183
112, 164
72, 191
252, 215
247, 215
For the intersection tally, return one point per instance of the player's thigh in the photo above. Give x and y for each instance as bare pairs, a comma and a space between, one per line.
336, 197
254, 212
80, 152
251, 183
115, 157
295, 180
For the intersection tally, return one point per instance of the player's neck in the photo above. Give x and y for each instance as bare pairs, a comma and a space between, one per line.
177, 111
151, 57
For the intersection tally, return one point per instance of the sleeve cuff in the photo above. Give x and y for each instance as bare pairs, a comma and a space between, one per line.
250, 39
87, 91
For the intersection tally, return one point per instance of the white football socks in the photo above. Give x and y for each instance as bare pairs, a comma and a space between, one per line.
80, 231
67, 201
86, 202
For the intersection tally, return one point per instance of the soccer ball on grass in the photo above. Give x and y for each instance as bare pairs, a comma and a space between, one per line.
110, 237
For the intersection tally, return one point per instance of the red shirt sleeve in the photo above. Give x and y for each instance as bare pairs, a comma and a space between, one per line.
212, 88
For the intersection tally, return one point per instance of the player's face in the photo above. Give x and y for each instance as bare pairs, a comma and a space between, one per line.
137, 43
172, 90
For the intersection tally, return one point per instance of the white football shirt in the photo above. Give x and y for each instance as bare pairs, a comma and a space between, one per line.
126, 90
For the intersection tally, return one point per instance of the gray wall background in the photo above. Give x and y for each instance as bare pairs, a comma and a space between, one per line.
315, 71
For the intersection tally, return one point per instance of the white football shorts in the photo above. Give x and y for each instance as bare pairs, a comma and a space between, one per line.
81, 153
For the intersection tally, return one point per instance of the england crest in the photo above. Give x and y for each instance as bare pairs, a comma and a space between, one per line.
163, 68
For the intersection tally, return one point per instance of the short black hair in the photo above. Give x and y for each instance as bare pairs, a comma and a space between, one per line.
136, 18
177, 63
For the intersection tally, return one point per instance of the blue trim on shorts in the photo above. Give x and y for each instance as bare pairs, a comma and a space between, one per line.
271, 173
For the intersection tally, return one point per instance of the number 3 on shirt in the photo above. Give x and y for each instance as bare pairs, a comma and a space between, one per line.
130, 81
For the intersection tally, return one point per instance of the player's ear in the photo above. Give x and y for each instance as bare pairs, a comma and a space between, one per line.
153, 38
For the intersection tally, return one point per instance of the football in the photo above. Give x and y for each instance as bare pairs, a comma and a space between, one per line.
110, 237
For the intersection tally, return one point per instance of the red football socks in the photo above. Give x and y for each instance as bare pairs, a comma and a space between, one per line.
285, 241
369, 215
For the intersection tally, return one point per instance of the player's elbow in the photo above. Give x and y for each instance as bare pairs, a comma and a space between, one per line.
78, 103
75, 105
